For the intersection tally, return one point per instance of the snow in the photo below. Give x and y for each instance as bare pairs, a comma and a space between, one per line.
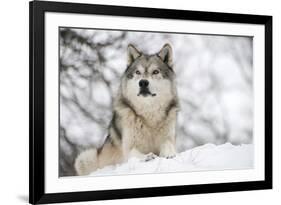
203, 158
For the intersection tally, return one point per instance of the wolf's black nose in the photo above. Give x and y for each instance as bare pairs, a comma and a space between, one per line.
143, 83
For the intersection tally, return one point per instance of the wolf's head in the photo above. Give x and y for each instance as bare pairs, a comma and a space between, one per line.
149, 78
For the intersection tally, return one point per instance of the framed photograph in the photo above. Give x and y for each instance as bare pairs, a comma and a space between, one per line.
130, 102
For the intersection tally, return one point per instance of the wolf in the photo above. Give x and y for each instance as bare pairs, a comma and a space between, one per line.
144, 113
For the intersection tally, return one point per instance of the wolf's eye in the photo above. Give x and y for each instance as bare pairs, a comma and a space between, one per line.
138, 72
155, 72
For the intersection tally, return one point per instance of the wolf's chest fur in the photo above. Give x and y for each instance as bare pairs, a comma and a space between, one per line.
146, 128
147, 138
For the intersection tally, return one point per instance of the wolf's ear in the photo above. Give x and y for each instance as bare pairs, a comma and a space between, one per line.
166, 54
133, 54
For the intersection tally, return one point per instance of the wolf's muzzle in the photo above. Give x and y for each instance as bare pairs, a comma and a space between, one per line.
144, 90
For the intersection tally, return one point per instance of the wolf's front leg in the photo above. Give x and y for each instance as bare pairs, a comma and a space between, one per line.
168, 149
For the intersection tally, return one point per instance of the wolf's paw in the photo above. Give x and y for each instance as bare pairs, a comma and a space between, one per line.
170, 156
149, 157
168, 151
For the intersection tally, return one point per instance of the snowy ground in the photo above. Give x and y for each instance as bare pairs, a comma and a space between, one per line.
206, 157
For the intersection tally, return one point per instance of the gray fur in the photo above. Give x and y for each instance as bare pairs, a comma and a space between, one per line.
144, 119
115, 127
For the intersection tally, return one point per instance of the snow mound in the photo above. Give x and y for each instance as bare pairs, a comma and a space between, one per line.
202, 158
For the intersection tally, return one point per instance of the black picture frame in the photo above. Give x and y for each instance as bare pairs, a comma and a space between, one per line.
37, 11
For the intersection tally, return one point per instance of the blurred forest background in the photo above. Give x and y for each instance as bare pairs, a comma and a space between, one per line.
214, 81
